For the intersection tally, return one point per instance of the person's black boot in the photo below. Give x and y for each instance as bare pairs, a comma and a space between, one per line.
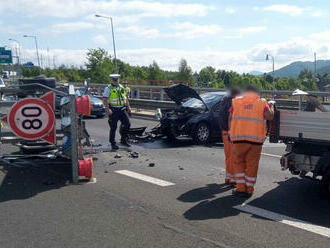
114, 146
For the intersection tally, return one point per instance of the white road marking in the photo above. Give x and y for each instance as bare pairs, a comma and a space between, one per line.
324, 231
271, 155
145, 178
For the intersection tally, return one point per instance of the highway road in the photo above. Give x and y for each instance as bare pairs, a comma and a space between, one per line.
171, 196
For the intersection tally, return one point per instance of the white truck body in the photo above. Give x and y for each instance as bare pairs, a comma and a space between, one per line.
307, 136
302, 125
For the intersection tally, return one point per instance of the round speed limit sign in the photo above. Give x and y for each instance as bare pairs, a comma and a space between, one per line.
31, 118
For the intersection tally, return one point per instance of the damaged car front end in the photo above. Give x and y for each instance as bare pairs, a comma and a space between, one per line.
195, 117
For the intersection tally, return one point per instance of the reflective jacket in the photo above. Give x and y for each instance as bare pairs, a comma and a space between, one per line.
248, 122
117, 96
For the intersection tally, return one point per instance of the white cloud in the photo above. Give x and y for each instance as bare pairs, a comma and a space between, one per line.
77, 8
100, 40
317, 13
238, 60
183, 30
321, 36
70, 27
188, 30
293, 10
229, 10
239, 33
285, 9
138, 31
252, 30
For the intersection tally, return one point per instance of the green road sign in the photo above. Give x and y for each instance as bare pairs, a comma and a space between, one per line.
5, 56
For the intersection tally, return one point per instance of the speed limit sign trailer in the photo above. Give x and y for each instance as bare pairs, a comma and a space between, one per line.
33, 119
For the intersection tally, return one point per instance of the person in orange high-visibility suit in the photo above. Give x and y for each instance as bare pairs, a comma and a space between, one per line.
248, 116
224, 108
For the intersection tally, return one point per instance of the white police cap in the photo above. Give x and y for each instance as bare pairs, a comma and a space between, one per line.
114, 76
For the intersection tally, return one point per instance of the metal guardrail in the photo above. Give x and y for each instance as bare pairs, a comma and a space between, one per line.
152, 104
158, 93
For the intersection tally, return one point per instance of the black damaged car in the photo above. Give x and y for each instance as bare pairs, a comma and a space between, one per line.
196, 116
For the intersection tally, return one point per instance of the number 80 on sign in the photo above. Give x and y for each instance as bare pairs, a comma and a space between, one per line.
33, 118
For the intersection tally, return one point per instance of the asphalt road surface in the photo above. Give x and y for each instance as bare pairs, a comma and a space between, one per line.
170, 196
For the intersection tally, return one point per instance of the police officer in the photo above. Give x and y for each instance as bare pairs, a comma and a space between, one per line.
117, 105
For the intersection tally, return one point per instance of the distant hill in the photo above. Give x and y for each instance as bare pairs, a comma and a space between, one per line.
256, 73
324, 70
294, 69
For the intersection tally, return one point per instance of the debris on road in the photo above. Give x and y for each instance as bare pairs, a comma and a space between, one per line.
151, 164
134, 154
112, 163
180, 168
106, 171
117, 155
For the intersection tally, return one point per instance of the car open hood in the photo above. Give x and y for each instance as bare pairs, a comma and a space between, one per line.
180, 92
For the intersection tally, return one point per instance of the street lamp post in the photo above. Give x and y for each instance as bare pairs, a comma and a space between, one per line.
273, 60
18, 51
36, 43
113, 38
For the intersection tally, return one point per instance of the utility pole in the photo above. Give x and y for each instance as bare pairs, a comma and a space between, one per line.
48, 58
17, 50
314, 64
36, 43
273, 62
54, 65
113, 38
42, 61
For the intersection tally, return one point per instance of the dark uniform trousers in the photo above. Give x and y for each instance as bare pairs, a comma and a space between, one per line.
118, 114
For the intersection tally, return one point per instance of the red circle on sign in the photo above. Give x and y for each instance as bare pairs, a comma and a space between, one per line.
31, 134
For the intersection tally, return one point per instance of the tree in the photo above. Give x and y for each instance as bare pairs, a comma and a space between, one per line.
207, 75
185, 72
154, 72
99, 65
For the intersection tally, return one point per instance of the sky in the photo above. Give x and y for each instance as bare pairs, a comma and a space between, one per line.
227, 34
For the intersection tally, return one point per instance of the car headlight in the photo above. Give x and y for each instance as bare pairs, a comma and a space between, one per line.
158, 114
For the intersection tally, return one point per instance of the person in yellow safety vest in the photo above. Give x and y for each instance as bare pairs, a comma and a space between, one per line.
118, 108
127, 89
247, 122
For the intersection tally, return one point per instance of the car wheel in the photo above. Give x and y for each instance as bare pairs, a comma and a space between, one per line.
202, 133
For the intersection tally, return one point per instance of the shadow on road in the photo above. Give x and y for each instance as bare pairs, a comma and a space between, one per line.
179, 143
204, 193
210, 209
215, 209
23, 183
297, 198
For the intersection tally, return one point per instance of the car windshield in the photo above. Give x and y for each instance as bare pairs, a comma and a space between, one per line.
209, 98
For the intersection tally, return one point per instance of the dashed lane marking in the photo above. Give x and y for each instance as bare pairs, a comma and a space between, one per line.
145, 178
324, 231
271, 155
